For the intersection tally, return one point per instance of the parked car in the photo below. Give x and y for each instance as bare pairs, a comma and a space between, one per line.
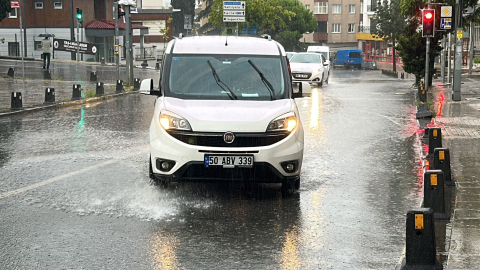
290, 54
225, 110
348, 58
309, 67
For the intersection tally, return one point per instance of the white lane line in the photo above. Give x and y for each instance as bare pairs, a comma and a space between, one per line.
53, 180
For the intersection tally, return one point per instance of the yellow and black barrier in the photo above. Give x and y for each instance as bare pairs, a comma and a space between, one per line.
16, 101
93, 76
434, 193
136, 84
441, 161
434, 140
420, 249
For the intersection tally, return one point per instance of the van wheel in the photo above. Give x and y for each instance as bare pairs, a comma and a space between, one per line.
328, 77
321, 81
359, 67
155, 180
288, 188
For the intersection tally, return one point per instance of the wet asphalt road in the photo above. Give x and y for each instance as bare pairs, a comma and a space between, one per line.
75, 192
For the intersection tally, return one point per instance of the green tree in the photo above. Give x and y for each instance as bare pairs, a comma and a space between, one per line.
388, 23
4, 9
284, 20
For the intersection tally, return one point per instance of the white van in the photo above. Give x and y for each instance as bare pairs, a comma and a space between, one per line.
323, 50
226, 111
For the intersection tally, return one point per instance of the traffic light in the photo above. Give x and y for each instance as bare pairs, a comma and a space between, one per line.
428, 22
79, 14
120, 12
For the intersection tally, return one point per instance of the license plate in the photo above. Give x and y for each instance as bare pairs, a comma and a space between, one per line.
229, 161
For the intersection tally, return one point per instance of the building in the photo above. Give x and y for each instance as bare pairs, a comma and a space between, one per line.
337, 23
58, 17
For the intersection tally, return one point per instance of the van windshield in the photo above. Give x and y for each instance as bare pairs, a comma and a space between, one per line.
226, 77
325, 54
355, 55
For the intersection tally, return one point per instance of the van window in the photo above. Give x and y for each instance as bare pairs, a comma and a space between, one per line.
355, 55
191, 77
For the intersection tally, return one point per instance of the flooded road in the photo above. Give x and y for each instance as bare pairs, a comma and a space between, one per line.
75, 191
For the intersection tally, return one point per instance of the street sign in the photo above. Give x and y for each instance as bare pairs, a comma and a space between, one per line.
446, 11
14, 4
445, 23
459, 33
71, 46
187, 22
234, 11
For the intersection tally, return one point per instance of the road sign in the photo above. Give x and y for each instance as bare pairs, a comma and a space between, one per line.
459, 33
71, 46
234, 11
446, 11
187, 22
14, 4
445, 23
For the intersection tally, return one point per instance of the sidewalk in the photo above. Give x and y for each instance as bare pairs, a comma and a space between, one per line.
64, 74
460, 125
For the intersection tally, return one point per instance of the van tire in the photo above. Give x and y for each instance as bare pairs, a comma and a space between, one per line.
321, 81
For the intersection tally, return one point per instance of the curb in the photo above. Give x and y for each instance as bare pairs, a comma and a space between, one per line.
67, 103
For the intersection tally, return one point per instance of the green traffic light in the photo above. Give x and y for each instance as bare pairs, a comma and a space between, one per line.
79, 14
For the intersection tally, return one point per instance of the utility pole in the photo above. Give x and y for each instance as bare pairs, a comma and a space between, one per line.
472, 45
427, 57
449, 55
117, 47
442, 59
457, 68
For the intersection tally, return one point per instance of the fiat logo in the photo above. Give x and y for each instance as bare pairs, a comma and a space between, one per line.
228, 137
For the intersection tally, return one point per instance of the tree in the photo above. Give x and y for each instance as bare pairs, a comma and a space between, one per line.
284, 20
388, 23
4, 9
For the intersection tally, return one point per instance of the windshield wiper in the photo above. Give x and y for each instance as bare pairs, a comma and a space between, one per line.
217, 79
264, 80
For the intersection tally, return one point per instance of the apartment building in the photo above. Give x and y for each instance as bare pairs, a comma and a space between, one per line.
338, 21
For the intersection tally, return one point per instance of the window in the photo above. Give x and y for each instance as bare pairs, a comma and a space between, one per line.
351, 28
320, 8
351, 9
322, 27
38, 5
336, 9
336, 28
57, 5
37, 45
307, 7
12, 14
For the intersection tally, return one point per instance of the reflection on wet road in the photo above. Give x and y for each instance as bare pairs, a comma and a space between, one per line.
75, 192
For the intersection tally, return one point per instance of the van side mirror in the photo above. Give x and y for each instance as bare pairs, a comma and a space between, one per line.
146, 88
301, 89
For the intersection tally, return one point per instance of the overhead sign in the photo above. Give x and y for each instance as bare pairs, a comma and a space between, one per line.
445, 23
71, 46
446, 11
14, 4
234, 11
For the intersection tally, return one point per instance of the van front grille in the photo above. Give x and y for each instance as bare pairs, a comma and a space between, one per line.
215, 139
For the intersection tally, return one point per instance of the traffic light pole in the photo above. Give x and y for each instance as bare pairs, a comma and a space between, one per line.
117, 48
78, 41
427, 57
457, 68
129, 41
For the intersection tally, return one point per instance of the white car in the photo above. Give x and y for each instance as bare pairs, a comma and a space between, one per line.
226, 111
309, 67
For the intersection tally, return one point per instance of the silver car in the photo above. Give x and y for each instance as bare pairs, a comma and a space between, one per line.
309, 67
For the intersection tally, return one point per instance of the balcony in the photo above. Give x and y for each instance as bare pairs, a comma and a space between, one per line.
364, 29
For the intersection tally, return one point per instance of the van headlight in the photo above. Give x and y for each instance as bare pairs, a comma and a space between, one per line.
286, 122
169, 121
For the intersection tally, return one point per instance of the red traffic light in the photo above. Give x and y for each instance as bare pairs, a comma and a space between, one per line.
428, 14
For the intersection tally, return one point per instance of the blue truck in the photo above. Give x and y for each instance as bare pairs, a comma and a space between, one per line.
348, 58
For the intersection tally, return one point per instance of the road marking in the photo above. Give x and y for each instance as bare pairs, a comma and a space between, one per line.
53, 180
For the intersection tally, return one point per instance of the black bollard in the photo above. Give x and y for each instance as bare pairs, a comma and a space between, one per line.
157, 66
93, 76
10, 72
47, 75
441, 161
99, 90
434, 140
16, 101
119, 86
136, 84
434, 193
420, 252
49, 95
423, 111
425, 134
77, 92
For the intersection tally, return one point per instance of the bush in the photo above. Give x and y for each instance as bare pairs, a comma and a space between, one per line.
476, 60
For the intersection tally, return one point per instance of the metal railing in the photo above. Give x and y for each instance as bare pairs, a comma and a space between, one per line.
145, 53
364, 29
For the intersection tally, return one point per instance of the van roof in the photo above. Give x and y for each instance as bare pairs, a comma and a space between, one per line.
225, 45
318, 48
